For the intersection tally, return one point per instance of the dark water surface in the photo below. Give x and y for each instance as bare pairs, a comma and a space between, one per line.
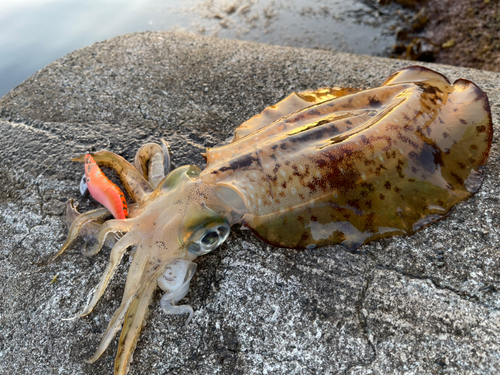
33, 33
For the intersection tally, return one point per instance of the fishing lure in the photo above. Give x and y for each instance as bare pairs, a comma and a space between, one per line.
103, 190
323, 167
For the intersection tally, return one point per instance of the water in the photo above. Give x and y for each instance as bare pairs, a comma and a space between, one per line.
33, 33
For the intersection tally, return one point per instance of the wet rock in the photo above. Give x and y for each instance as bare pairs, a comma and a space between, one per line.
413, 48
423, 304
473, 26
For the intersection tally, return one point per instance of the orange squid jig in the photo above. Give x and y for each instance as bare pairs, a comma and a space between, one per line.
103, 190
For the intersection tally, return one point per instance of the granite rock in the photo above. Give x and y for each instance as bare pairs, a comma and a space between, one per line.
424, 304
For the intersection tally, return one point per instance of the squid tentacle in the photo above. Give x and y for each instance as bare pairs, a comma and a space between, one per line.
78, 223
71, 212
115, 257
134, 183
175, 282
110, 226
167, 161
89, 230
153, 162
134, 321
118, 317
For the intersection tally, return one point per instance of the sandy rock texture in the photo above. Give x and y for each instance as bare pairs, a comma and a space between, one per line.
425, 304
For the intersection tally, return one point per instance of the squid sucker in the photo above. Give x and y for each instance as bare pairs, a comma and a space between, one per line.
321, 167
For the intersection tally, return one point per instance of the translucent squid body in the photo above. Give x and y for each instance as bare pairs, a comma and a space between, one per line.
323, 167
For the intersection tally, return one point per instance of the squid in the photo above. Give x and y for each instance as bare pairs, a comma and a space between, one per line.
321, 167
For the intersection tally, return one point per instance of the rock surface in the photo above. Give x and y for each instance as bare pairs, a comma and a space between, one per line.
424, 304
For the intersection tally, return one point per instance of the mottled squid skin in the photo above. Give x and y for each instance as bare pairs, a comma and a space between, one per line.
360, 166
323, 167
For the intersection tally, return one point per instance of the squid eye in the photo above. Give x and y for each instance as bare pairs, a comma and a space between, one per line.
210, 239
